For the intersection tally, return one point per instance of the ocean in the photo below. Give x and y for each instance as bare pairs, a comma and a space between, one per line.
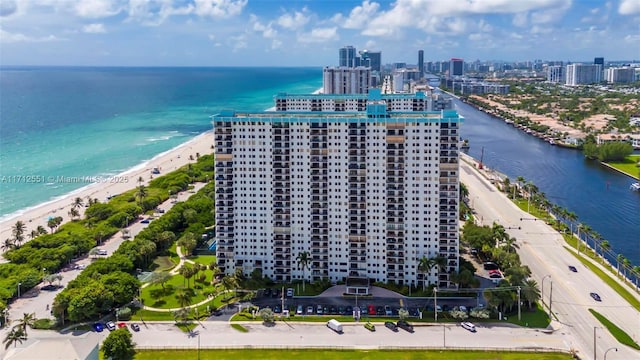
97, 121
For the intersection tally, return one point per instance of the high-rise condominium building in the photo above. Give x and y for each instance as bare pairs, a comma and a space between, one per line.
346, 80
456, 67
620, 75
347, 56
555, 74
599, 61
578, 74
363, 194
372, 59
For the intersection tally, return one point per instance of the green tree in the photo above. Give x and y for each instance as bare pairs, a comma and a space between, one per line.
188, 243
184, 297
15, 336
18, 230
229, 282
425, 266
160, 277
27, 320
303, 259
119, 345
530, 292
77, 203
267, 315
141, 194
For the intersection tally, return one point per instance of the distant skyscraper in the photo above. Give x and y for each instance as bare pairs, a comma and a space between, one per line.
421, 63
372, 59
348, 56
456, 67
555, 74
599, 61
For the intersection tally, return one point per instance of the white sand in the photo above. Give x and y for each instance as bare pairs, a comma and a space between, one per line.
166, 162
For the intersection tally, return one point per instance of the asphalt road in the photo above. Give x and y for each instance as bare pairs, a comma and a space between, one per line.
542, 249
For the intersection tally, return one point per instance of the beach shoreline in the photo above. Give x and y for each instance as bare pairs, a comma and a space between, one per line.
103, 187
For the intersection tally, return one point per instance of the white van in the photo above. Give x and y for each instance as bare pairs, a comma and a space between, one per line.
469, 326
335, 325
102, 252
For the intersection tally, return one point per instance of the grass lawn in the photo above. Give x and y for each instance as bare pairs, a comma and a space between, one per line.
628, 165
537, 318
617, 333
313, 354
203, 259
156, 296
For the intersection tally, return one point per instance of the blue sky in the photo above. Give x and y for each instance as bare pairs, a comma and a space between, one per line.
309, 32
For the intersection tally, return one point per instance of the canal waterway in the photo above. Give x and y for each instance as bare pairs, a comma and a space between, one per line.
600, 197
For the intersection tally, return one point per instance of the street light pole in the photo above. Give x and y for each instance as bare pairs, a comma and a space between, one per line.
550, 298
609, 349
435, 302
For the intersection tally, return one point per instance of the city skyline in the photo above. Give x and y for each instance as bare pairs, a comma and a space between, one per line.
298, 33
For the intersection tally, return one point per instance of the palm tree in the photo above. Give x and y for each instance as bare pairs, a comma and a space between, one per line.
184, 297
141, 193
7, 245
229, 282
33, 234
187, 272
160, 278
303, 259
73, 213
530, 292
15, 336
440, 262
18, 230
520, 180
619, 259
181, 314
51, 224
26, 320
41, 230
77, 203
425, 266
636, 274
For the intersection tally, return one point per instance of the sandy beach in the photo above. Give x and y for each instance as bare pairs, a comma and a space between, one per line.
108, 186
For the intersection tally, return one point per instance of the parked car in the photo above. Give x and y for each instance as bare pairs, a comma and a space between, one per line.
290, 292
369, 326
319, 310
391, 326
387, 310
371, 310
333, 310
348, 310
135, 327
122, 325
277, 309
98, 327
101, 252
341, 310
405, 326
275, 293
469, 326
462, 308
309, 310
79, 267
595, 296
573, 268
299, 310
111, 326
145, 221
490, 266
380, 310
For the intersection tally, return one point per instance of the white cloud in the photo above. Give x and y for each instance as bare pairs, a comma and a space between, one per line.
276, 44
629, 7
94, 29
239, 42
293, 21
154, 13
267, 30
219, 8
97, 8
632, 38
359, 15
8, 37
520, 19
319, 35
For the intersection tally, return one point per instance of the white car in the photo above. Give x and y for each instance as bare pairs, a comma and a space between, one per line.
111, 326
299, 310
469, 326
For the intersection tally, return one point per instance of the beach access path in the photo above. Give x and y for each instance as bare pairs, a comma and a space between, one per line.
166, 162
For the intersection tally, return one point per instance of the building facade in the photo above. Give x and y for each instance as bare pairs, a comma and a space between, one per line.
555, 74
456, 67
346, 80
579, 74
366, 193
620, 75
347, 56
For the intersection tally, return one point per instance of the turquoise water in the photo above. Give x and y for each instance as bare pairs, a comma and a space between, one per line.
103, 121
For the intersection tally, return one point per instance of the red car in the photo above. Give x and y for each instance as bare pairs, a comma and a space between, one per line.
122, 325
371, 310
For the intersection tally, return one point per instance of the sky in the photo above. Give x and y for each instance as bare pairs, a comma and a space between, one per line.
310, 32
